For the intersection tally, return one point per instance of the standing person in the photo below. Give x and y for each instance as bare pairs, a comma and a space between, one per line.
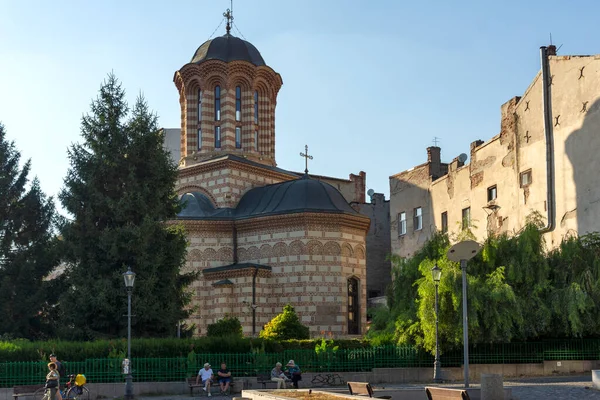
278, 376
224, 377
205, 374
62, 372
52, 380
295, 373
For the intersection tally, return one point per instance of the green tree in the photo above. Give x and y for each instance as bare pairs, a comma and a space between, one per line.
285, 326
27, 253
120, 193
228, 326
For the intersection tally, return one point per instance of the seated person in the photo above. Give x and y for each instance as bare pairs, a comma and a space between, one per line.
278, 376
294, 372
205, 374
224, 378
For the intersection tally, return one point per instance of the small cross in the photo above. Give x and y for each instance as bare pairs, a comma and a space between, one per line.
306, 158
435, 141
229, 15
527, 137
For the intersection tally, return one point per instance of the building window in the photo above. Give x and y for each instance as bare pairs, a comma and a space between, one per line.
256, 140
217, 137
445, 222
353, 307
256, 107
199, 105
525, 178
492, 193
402, 223
466, 217
218, 103
238, 103
418, 219
238, 137
199, 139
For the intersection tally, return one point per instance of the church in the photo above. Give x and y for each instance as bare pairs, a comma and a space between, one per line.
261, 236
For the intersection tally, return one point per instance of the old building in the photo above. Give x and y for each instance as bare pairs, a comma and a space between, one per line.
377, 243
261, 236
544, 160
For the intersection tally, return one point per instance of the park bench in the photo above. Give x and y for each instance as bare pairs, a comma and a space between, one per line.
26, 390
363, 389
214, 386
446, 394
264, 378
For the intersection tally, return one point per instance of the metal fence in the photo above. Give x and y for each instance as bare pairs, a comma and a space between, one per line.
355, 360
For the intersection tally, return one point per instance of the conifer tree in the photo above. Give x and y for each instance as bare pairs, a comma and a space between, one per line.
27, 255
120, 192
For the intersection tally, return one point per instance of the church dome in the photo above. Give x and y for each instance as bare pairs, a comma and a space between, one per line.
299, 195
228, 48
195, 205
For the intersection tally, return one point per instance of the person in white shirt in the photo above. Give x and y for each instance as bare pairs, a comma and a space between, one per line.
205, 374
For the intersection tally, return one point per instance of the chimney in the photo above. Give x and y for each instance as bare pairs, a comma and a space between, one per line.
551, 51
434, 161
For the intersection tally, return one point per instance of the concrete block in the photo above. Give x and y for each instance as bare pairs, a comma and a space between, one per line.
596, 378
492, 387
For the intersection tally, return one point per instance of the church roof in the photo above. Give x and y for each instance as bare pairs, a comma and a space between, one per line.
228, 48
298, 195
234, 267
295, 196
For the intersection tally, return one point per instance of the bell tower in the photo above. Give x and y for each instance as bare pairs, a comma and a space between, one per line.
227, 95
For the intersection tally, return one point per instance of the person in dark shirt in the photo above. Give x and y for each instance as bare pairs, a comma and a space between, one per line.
224, 377
60, 368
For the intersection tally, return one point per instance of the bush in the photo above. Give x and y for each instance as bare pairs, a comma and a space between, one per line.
284, 326
228, 326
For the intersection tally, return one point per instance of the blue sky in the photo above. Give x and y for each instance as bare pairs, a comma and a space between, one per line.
367, 84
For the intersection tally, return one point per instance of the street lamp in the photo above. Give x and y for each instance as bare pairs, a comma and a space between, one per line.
129, 278
463, 252
436, 274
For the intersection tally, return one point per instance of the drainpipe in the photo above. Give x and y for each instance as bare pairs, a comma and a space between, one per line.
547, 106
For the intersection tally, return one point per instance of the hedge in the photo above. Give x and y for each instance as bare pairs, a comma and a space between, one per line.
24, 350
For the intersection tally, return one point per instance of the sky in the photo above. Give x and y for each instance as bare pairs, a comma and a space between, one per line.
367, 85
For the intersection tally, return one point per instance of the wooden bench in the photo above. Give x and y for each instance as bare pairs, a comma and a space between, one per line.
435, 393
26, 390
363, 389
214, 386
264, 379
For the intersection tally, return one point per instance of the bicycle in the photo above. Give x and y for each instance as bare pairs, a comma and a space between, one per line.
74, 390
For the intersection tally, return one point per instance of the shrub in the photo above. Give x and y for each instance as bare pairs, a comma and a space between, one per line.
228, 326
284, 326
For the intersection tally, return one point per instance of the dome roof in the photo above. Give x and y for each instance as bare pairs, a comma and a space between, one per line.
228, 48
299, 195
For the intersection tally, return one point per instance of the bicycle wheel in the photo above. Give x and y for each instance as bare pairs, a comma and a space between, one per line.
39, 394
73, 394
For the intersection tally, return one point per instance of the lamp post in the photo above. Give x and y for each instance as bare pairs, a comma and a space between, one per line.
463, 252
129, 278
436, 274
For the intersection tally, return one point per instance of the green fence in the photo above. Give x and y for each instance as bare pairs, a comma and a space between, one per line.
248, 364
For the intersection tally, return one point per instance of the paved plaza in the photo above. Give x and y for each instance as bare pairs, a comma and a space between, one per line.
556, 387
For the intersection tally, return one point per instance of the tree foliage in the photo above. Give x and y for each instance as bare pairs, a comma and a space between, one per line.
285, 326
27, 250
228, 326
120, 192
516, 291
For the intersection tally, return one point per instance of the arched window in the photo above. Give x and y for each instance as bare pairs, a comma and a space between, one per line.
217, 103
256, 140
238, 103
256, 107
199, 105
353, 307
